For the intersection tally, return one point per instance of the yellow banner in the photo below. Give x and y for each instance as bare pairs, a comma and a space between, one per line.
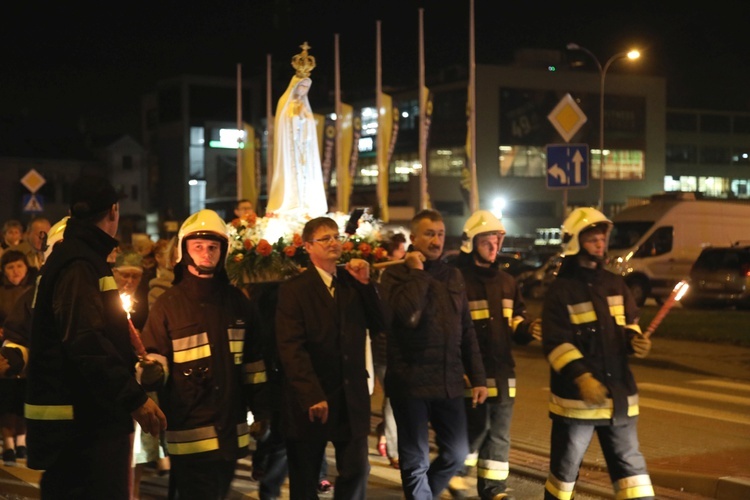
385, 128
343, 179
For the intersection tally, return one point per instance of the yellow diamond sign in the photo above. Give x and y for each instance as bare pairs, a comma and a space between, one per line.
33, 180
567, 117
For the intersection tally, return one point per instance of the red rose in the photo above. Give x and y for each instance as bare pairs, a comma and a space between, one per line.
248, 244
264, 248
380, 253
347, 246
290, 251
236, 223
251, 219
297, 240
365, 248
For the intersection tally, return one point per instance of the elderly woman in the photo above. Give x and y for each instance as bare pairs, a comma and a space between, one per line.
16, 279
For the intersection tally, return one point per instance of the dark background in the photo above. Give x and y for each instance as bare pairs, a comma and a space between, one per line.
85, 62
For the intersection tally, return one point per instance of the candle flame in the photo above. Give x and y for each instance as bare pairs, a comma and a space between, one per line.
127, 303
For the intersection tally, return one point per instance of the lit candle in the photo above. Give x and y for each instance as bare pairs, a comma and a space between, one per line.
135, 338
677, 293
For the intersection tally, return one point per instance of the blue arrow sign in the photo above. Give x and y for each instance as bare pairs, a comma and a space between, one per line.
567, 166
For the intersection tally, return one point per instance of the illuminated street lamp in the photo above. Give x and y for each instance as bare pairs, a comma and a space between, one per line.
632, 55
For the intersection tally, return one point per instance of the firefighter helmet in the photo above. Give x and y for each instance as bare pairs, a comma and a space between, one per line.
54, 236
580, 220
202, 224
480, 222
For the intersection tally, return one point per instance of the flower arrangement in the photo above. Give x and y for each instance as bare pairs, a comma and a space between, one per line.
271, 248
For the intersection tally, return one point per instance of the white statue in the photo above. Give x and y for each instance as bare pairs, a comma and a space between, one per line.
297, 179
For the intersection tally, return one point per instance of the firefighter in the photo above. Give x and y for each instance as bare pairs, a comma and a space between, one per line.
205, 335
590, 327
500, 319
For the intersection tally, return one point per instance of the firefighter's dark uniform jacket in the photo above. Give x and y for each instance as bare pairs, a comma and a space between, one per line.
81, 382
588, 319
499, 315
431, 339
203, 330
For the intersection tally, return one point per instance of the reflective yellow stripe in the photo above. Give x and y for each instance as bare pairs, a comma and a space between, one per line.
107, 283
493, 473
255, 378
575, 408
517, 320
193, 447
562, 355
236, 333
471, 459
203, 351
480, 309
491, 392
236, 346
255, 373
634, 487
48, 412
190, 441
243, 435
480, 314
559, 489
581, 313
191, 348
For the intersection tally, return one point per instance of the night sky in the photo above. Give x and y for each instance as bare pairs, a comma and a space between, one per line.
68, 63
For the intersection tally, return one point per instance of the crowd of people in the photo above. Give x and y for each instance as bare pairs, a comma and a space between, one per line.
116, 357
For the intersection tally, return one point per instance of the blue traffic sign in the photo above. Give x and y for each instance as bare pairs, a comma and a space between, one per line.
33, 203
567, 166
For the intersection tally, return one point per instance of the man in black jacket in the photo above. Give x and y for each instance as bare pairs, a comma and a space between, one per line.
431, 345
82, 394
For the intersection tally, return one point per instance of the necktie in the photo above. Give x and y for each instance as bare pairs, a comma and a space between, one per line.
332, 286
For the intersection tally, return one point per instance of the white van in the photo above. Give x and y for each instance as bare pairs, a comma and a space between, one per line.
654, 245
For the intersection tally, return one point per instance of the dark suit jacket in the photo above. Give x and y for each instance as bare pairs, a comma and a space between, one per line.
321, 346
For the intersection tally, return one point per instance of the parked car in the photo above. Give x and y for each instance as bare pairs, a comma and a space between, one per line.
720, 277
535, 282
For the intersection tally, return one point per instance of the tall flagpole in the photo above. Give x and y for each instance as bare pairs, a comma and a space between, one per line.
239, 129
422, 117
474, 193
338, 160
269, 128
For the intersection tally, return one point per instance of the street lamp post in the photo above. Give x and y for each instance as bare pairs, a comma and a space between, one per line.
632, 54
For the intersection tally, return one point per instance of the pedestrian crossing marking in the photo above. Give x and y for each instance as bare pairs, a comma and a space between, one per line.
692, 393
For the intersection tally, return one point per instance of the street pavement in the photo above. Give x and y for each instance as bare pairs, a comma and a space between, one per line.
708, 475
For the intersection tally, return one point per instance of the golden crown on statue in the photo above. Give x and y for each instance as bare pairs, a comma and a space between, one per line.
303, 63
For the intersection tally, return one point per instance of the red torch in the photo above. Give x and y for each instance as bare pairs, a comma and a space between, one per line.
677, 293
135, 337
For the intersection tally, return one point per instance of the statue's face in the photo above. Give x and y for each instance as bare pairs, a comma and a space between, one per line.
302, 88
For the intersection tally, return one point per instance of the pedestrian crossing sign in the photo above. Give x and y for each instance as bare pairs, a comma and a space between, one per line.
33, 203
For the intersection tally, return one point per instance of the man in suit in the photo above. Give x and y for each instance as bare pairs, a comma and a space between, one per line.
322, 319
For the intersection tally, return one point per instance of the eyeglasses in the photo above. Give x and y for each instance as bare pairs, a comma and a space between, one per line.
326, 240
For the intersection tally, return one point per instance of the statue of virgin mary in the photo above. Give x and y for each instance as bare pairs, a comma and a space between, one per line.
297, 181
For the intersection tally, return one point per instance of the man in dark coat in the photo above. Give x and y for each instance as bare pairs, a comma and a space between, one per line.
82, 394
431, 345
322, 320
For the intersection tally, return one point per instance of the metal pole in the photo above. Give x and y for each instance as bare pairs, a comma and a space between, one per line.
601, 138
